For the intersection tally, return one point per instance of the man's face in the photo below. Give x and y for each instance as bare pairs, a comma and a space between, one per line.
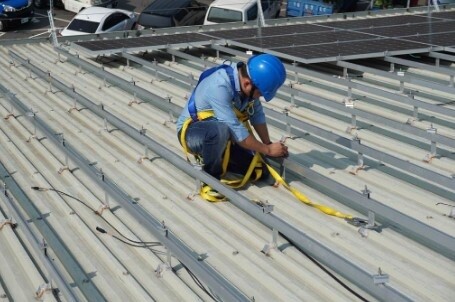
249, 88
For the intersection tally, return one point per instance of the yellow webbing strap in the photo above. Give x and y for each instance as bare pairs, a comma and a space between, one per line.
210, 195
300, 196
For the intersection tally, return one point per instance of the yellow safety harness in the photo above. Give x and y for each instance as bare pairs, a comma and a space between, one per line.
256, 164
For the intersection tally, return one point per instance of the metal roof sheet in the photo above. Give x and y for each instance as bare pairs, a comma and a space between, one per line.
226, 238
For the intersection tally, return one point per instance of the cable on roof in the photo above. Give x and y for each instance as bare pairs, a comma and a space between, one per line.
324, 269
125, 239
199, 283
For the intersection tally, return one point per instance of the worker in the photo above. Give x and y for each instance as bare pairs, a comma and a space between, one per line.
215, 114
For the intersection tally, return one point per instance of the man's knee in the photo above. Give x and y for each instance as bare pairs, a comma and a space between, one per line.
218, 133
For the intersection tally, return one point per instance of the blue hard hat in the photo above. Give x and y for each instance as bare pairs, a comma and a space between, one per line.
267, 73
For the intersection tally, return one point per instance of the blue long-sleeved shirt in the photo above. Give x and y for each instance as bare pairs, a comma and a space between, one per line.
215, 93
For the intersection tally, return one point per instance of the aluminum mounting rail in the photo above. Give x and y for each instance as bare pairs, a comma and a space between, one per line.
80, 278
441, 56
360, 87
343, 266
446, 71
399, 98
402, 79
161, 72
221, 287
370, 117
428, 135
159, 102
420, 232
51, 272
354, 144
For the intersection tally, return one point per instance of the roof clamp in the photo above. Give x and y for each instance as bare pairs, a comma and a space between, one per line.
74, 107
273, 245
49, 89
380, 278
198, 184
30, 75
296, 74
32, 115
360, 164
432, 132
8, 221
66, 166
42, 289
164, 266
288, 127
415, 111
401, 74
10, 112
145, 156
266, 207
134, 101
366, 226
353, 125
105, 127
452, 209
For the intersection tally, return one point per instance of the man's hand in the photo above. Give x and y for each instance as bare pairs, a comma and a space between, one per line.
277, 149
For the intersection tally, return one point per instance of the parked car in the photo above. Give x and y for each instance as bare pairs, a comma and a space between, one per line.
76, 5
223, 11
96, 20
15, 12
169, 13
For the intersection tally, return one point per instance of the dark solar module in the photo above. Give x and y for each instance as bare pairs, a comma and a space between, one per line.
444, 15
266, 31
164, 40
443, 39
350, 48
413, 29
304, 39
377, 22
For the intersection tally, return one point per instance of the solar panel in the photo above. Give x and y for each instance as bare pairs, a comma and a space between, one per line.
442, 39
304, 39
377, 22
413, 29
361, 38
141, 42
267, 31
352, 50
444, 15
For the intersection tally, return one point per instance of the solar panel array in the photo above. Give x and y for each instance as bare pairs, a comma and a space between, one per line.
316, 42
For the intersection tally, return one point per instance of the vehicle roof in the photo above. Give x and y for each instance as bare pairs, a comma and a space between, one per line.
232, 4
96, 14
166, 7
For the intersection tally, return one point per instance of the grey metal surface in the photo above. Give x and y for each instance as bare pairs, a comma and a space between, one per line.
222, 288
51, 272
405, 78
341, 265
216, 282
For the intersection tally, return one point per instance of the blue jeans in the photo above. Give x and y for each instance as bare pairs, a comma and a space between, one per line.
208, 139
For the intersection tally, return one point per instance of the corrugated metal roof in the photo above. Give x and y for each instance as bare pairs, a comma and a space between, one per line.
97, 266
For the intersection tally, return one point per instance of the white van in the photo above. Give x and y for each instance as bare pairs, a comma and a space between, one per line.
76, 5
222, 11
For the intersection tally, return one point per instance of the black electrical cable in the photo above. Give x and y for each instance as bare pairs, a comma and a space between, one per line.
199, 283
131, 241
318, 264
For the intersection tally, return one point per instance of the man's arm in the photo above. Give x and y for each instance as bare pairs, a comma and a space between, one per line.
277, 149
263, 132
